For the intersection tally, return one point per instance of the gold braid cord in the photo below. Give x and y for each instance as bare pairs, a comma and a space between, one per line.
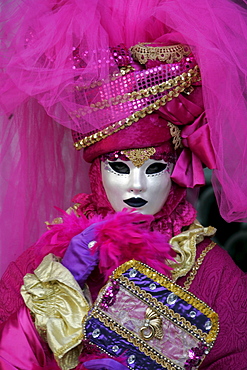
176, 86
197, 265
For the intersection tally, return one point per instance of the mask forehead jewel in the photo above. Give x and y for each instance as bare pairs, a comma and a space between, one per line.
139, 156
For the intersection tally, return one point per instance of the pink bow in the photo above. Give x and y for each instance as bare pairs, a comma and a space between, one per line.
197, 153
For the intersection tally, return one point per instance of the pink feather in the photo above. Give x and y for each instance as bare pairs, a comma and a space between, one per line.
126, 235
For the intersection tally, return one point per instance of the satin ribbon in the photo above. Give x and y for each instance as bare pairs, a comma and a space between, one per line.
197, 148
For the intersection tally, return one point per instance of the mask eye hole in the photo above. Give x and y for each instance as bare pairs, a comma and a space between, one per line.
119, 167
156, 167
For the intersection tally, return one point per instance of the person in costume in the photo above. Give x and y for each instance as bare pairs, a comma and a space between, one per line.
172, 299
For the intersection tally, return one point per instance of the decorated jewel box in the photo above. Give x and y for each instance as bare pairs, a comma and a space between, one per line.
141, 315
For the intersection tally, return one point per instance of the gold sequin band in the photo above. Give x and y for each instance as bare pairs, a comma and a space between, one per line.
169, 54
178, 85
134, 95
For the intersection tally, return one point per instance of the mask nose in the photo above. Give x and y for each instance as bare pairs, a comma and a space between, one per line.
137, 182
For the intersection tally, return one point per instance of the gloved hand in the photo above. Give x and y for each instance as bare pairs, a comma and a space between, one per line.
103, 364
78, 258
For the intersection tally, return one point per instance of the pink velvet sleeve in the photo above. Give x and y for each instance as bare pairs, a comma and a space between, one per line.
20, 345
223, 286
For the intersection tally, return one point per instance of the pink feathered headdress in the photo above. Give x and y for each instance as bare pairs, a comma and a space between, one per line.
52, 51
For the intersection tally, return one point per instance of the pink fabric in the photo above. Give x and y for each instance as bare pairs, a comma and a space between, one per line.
217, 270
11, 283
37, 173
149, 131
36, 60
176, 214
198, 151
21, 347
39, 169
222, 285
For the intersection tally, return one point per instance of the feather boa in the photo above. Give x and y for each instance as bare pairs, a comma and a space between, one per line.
126, 235
121, 237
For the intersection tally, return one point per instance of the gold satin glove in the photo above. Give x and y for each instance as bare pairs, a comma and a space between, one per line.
58, 304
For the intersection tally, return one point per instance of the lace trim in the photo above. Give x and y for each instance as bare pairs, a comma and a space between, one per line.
168, 54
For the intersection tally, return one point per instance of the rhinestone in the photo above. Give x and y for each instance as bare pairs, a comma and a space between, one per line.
131, 359
96, 333
172, 298
91, 244
152, 286
133, 273
192, 314
208, 325
115, 348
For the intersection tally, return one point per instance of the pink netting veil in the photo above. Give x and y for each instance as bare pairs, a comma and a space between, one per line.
51, 49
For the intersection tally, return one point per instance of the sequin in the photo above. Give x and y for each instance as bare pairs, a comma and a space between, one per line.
109, 296
131, 359
152, 286
96, 333
172, 298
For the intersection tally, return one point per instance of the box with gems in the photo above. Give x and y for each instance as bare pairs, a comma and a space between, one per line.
143, 316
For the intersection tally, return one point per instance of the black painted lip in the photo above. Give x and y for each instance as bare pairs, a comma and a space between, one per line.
135, 202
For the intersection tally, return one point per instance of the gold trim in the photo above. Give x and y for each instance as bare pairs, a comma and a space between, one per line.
143, 52
197, 264
175, 317
134, 95
126, 69
176, 289
175, 133
182, 82
139, 156
184, 244
134, 339
152, 327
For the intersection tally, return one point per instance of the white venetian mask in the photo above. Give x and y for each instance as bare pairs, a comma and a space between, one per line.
144, 188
